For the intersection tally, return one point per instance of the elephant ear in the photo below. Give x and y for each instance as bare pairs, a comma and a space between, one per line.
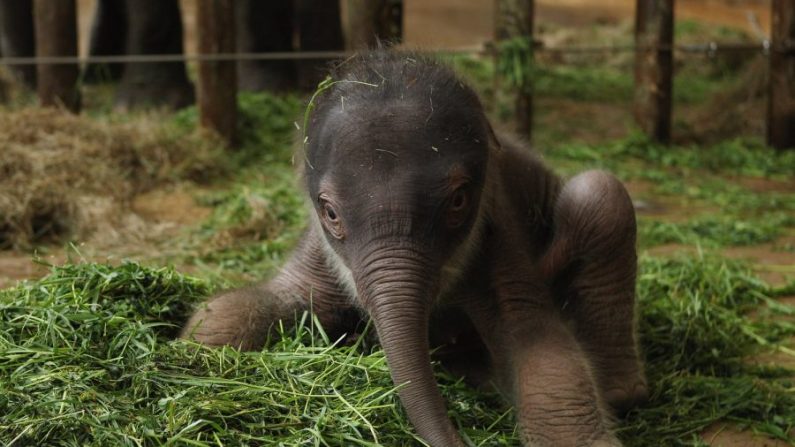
494, 142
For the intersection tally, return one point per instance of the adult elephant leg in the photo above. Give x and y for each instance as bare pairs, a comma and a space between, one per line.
108, 35
592, 265
17, 38
265, 26
319, 29
154, 27
246, 318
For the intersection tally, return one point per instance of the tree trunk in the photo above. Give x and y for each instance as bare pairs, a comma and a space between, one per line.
17, 38
781, 95
217, 79
56, 35
654, 67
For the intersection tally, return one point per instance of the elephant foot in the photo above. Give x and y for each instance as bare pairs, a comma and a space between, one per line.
257, 76
138, 94
627, 394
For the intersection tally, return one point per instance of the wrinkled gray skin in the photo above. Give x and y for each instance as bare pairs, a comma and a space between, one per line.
430, 224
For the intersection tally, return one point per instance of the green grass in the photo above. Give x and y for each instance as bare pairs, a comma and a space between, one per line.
714, 231
714, 211
87, 358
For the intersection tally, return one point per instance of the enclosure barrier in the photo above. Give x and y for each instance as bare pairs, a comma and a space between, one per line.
217, 88
654, 67
57, 63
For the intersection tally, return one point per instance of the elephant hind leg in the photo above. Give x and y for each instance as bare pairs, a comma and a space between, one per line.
592, 265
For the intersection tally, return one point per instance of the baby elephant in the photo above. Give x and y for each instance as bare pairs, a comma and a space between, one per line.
442, 232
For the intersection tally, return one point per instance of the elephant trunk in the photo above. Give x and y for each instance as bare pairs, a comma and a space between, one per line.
396, 287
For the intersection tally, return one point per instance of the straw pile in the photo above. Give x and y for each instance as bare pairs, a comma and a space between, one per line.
64, 176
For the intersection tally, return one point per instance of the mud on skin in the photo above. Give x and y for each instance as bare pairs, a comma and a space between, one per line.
421, 212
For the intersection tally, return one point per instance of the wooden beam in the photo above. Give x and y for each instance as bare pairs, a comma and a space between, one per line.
781, 94
654, 25
55, 24
217, 86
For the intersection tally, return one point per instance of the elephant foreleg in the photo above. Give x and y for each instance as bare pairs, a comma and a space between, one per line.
246, 317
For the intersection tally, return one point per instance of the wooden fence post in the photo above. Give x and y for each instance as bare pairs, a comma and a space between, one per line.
781, 93
217, 86
515, 20
55, 24
654, 26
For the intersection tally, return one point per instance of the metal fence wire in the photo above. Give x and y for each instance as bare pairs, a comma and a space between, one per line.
705, 48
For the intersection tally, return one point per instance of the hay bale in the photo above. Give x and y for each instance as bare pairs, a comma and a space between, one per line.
65, 176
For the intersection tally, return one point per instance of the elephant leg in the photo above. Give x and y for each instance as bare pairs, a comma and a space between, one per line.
108, 32
265, 26
592, 268
154, 27
246, 318
319, 29
458, 347
555, 391
17, 38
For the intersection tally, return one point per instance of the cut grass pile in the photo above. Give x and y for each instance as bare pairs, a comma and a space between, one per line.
64, 176
86, 358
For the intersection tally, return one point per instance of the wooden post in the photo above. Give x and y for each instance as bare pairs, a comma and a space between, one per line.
55, 24
217, 86
781, 94
654, 26
367, 21
515, 19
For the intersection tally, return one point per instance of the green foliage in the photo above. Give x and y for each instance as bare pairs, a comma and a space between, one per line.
253, 225
697, 31
515, 64
737, 156
583, 83
714, 231
86, 359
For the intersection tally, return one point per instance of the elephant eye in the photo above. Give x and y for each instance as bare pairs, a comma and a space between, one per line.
331, 215
330, 218
458, 208
459, 200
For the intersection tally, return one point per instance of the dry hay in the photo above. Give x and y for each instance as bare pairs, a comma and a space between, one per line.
68, 176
